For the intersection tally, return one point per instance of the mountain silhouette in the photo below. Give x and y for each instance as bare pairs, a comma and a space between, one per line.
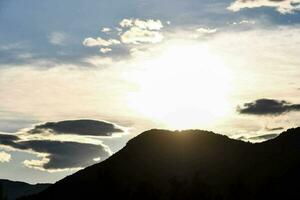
11, 190
186, 165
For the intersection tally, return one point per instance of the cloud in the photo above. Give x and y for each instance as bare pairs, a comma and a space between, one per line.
9, 140
206, 30
4, 157
63, 145
105, 50
129, 32
57, 38
91, 42
264, 137
258, 138
137, 35
64, 155
274, 129
56, 155
126, 23
268, 107
105, 29
282, 6
141, 31
78, 127
149, 24
244, 21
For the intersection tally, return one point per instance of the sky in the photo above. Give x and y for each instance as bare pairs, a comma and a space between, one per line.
78, 79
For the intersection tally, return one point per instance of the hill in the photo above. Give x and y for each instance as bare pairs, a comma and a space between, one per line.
12, 190
192, 164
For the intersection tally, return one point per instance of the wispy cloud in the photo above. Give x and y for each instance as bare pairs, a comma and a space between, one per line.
58, 38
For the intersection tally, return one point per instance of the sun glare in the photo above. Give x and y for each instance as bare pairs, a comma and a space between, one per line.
186, 86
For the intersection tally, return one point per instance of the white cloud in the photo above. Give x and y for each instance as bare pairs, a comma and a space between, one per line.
201, 32
91, 42
141, 31
136, 35
4, 157
250, 22
57, 38
105, 30
282, 6
206, 30
130, 31
126, 23
149, 24
105, 50
38, 164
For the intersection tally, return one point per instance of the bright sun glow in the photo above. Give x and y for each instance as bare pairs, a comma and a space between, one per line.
184, 87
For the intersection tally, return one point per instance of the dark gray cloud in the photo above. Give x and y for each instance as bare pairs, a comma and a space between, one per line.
61, 155
67, 154
274, 129
268, 107
264, 137
10, 140
259, 138
78, 127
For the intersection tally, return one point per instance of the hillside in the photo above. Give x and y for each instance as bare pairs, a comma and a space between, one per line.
14, 189
192, 164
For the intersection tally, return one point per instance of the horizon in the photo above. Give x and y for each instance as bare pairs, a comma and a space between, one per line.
79, 79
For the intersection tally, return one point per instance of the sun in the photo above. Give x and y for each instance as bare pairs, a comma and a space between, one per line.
186, 86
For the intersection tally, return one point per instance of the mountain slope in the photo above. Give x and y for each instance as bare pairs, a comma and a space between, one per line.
193, 164
14, 189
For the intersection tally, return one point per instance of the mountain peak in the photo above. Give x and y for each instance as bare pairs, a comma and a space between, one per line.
191, 164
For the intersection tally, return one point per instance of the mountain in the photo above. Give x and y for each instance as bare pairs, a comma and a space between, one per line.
186, 165
11, 190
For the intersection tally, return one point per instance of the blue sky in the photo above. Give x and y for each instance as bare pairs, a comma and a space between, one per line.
138, 65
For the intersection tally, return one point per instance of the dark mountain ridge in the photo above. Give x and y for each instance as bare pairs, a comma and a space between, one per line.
192, 164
